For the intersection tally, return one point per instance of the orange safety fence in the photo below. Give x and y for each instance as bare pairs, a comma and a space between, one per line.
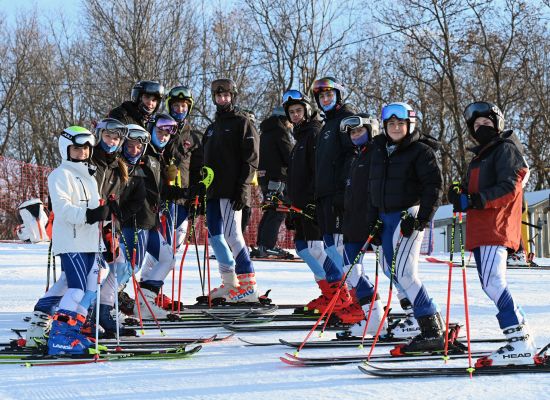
20, 181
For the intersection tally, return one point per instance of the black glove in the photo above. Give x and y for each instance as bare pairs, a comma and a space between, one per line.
94, 215
174, 193
115, 208
110, 243
376, 234
458, 197
197, 190
338, 203
410, 224
238, 202
311, 211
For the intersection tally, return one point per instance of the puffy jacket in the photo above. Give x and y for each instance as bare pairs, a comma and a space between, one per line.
409, 176
231, 150
496, 172
128, 113
73, 190
275, 147
301, 169
108, 174
133, 199
333, 155
355, 226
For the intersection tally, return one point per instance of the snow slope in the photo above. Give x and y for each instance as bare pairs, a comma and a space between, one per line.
232, 371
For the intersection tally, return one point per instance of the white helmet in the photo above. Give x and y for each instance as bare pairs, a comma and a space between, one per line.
75, 135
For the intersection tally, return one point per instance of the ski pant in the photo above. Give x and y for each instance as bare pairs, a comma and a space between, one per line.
122, 266
491, 268
226, 237
268, 229
75, 287
310, 247
330, 225
406, 262
357, 278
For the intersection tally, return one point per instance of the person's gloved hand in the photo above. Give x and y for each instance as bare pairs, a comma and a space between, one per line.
290, 223
410, 224
111, 242
311, 211
197, 190
114, 208
458, 197
171, 172
174, 193
97, 214
238, 201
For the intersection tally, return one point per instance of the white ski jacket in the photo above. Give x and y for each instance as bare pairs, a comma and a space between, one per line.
73, 190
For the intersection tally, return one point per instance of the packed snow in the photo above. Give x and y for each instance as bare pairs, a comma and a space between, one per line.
230, 370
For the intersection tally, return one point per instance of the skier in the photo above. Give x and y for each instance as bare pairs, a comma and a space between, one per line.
160, 257
492, 198
333, 158
405, 189
361, 128
76, 236
231, 150
145, 101
301, 192
275, 147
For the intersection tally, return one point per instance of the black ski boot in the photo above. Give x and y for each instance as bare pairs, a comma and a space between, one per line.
431, 338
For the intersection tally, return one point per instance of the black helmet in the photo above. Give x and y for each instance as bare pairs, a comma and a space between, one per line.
291, 97
328, 83
222, 86
147, 87
483, 109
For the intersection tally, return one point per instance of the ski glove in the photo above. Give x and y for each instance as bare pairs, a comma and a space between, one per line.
290, 223
409, 224
115, 208
376, 234
175, 193
238, 202
171, 172
310, 210
100, 213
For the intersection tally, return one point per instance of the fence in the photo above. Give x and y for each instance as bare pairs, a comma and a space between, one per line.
20, 181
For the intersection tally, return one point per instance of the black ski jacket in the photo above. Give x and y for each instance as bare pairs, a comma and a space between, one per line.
333, 155
409, 176
355, 226
275, 147
128, 113
107, 174
231, 150
179, 151
133, 200
301, 169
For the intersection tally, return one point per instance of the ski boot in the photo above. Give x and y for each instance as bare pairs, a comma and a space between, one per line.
405, 328
65, 336
356, 330
108, 323
319, 303
430, 339
150, 295
279, 254
520, 349
38, 328
167, 303
344, 298
247, 291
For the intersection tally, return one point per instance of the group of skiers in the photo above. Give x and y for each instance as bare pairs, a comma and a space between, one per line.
122, 196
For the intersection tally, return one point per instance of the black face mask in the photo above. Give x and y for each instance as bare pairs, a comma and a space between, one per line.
485, 134
225, 108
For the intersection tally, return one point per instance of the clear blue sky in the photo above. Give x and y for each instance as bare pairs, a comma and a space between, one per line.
51, 8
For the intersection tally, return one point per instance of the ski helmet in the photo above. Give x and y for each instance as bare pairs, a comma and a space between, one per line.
166, 123
147, 87
355, 121
179, 93
222, 86
113, 127
291, 97
77, 136
400, 111
483, 109
326, 84
136, 132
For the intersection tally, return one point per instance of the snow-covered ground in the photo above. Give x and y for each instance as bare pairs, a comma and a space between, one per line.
230, 370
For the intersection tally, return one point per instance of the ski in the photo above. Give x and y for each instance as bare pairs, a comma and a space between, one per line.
36, 360
264, 328
374, 370
385, 358
458, 265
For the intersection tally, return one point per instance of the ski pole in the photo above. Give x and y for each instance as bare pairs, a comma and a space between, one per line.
466, 308
113, 249
98, 289
48, 267
388, 304
187, 235
342, 282
357, 259
134, 281
373, 299
449, 281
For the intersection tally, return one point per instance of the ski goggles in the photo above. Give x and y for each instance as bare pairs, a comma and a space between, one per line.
81, 139
180, 93
171, 129
353, 122
479, 109
325, 84
398, 111
223, 86
293, 95
139, 135
112, 127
